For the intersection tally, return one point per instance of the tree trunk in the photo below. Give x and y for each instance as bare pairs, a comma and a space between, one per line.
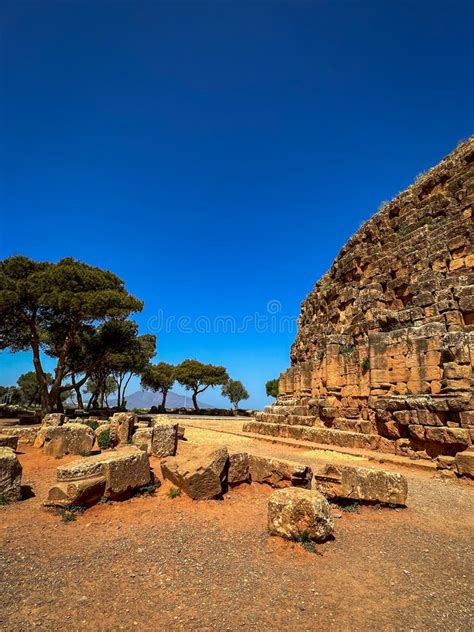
43, 384
163, 401
77, 389
125, 388
195, 401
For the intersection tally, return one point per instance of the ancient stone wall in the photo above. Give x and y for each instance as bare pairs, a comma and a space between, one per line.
385, 342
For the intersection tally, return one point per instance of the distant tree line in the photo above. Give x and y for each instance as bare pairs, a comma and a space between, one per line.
79, 315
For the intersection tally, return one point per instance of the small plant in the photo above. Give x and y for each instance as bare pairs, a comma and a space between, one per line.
147, 490
104, 501
174, 492
366, 364
92, 423
68, 516
351, 506
3, 500
77, 509
304, 539
104, 440
347, 349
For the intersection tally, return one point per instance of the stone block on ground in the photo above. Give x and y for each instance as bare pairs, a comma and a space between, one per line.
122, 427
464, 463
10, 475
58, 441
124, 469
201, 473
164, 440
142, 439
279, 473
53, 419
295, 513
9, 441
362, 484
83, 492
239, 468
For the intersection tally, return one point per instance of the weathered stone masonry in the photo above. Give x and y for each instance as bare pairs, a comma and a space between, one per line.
385, 345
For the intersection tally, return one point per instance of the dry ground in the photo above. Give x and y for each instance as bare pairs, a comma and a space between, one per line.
156, 563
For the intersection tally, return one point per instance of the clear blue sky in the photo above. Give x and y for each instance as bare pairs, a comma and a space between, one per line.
216, 156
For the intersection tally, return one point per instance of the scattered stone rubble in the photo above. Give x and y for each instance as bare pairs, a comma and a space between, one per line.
10, 475
113, 474
384, 352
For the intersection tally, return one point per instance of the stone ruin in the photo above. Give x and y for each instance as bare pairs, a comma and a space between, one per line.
385, 345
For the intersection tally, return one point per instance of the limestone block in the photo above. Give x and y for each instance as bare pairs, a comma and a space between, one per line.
122, 427
201, 473
68, 439
279, 473
164, 440
9, 441
142, 439
53, 419
239, 468
10, 475
464, 463
364, 484
296, 512
83, 492
448, 436
124, 469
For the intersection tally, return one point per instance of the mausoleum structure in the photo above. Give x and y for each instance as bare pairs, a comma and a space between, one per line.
385, 345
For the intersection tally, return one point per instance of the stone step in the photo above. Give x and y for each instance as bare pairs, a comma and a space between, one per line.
277, 409
328, 436
292, 420
337, 423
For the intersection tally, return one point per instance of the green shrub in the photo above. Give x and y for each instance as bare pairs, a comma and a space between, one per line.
147, 490
68, 516
174, 492
104, 440
366, 364
92, 423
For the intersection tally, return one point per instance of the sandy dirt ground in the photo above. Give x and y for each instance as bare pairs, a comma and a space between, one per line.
158, 563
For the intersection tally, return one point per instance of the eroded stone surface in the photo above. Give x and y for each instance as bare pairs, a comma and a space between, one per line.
164, 440
362, 484
278, 472
124, 469
10, 475
295, 513
142, 439
53, 419
201, 473
71, 438
239, 468
464, 463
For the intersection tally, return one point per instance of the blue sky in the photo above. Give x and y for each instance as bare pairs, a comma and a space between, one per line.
217, 155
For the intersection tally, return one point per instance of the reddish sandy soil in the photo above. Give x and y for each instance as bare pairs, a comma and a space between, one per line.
156, 563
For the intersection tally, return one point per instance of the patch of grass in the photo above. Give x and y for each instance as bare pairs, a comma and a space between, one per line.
174, 492
147, 490
3, 500
104, 440
68, 516
304, 539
